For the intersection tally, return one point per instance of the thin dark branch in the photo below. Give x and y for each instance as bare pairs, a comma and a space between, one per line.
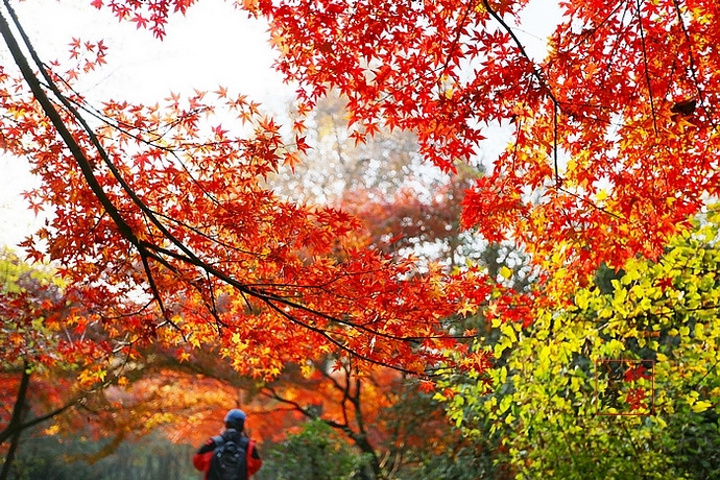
271, 299
590, 203
586, 35
558, 182
645, 66
327, 335
40, 419
536, 72
331, 379
693, 67
706, 374
458, 34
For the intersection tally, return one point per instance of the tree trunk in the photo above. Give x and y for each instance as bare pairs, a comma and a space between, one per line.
16, 421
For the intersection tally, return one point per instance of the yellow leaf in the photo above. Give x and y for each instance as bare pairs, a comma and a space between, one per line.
467, 308
508, 331
506, 273
503, 375
582, 299
505, 404
701, 406
307, 370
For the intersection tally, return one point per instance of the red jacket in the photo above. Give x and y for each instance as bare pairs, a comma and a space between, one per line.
201, 459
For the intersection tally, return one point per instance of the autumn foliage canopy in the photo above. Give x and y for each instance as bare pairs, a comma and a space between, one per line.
166, 231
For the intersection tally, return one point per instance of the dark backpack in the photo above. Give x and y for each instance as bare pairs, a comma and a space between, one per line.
229, 460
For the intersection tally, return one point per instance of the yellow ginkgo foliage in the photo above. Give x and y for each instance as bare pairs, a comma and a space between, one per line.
622, 383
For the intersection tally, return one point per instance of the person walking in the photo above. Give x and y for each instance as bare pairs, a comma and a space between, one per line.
230, 455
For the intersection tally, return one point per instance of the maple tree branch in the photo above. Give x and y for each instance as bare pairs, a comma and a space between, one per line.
331, 379
83, 162
146, 249
79, 155
346, 394
162, 261
85, 166
590, 203
355, 400
456, 40
322, 286
126, 128
156, 292
60, 126
327, 335
645, 63
270, 298
558, 182
77, 152
199, 233
270, 392
13, 431
693, 68
586, 35
261, 295
15, 418
155, 252
37, 420
16, 424
536, 72
142, 246
359, 437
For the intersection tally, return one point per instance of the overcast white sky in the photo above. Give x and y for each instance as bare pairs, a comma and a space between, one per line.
214, 45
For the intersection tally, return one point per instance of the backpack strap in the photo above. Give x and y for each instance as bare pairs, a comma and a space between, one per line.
219, 440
